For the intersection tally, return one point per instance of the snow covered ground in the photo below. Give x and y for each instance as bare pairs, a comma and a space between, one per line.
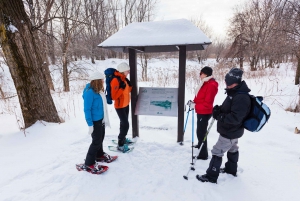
39, 164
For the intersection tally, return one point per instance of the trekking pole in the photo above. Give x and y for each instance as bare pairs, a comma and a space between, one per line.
204, 139
192, 137
187, 117
186, 120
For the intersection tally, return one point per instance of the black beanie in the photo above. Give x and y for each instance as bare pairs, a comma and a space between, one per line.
207, 71
234, 76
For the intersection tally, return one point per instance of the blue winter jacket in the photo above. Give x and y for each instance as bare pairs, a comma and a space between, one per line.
92, 105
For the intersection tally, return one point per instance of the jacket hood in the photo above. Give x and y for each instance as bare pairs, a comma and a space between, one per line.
242, 87
87, 86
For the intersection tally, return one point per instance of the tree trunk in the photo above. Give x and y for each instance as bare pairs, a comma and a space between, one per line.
50, 41
65, 73
241, 62
297, 76
44, 46
20, 47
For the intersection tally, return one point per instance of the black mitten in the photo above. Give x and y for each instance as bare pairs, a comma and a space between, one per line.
216, 112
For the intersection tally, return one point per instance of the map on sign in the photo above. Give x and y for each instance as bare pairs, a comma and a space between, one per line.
157, 101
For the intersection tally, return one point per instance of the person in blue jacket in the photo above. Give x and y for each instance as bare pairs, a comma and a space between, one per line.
96, 116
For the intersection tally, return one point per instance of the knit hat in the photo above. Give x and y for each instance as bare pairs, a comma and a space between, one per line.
234, 76
122, 67
96, 76
207, 71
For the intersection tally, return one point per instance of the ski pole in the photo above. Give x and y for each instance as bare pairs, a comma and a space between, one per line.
204, 139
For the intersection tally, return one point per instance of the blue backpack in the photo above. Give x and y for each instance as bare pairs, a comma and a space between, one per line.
109, 75
258, 116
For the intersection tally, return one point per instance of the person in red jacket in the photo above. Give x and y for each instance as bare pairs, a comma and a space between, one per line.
203, 103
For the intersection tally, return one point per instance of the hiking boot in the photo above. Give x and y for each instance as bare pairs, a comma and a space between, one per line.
205, 178
123, 148
106, 158
223, 170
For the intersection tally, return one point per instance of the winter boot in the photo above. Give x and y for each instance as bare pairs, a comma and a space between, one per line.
223, 170
128, 141
206, 178
121, 142
213, 170
106, 158
231, 164
201, 157
123, 148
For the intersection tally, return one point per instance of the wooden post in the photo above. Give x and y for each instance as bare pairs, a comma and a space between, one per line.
134, 92
181, 92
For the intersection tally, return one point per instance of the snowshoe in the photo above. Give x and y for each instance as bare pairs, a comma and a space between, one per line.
93, 169
127, 141
106, 158
122, 149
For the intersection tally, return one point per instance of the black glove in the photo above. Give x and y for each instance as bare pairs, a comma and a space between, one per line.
122, 85
216, 112
128, 82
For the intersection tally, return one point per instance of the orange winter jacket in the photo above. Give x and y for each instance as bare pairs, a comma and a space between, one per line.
120, 96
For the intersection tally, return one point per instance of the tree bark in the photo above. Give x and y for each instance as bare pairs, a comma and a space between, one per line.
297, 71
20, 46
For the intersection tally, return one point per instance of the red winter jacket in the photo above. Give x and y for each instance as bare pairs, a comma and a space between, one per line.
205, 98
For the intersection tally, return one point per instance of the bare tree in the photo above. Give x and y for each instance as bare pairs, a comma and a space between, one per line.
201, 24
69, 15
20, 46
219, 48
39, 22
290, 23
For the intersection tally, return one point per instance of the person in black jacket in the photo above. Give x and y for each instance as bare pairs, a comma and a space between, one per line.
230, 116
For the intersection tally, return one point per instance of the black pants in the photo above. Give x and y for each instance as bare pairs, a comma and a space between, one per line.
202, 122
96, 148
124, 123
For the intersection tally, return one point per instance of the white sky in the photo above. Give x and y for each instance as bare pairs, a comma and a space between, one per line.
215, 13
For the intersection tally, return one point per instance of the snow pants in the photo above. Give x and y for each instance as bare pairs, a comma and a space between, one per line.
202, 123
124, 124
223, 145
96, 148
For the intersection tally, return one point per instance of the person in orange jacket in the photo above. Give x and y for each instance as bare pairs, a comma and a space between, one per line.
120, 93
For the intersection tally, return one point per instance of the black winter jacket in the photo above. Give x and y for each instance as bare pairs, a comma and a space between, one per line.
234, 110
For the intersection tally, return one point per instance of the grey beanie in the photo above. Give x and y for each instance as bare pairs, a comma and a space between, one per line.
234, 76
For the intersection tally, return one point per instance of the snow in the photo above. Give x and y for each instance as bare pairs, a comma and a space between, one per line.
12, 28
39, 163
158, 33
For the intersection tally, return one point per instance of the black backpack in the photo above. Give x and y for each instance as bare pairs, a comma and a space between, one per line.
258, 116
109, 75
